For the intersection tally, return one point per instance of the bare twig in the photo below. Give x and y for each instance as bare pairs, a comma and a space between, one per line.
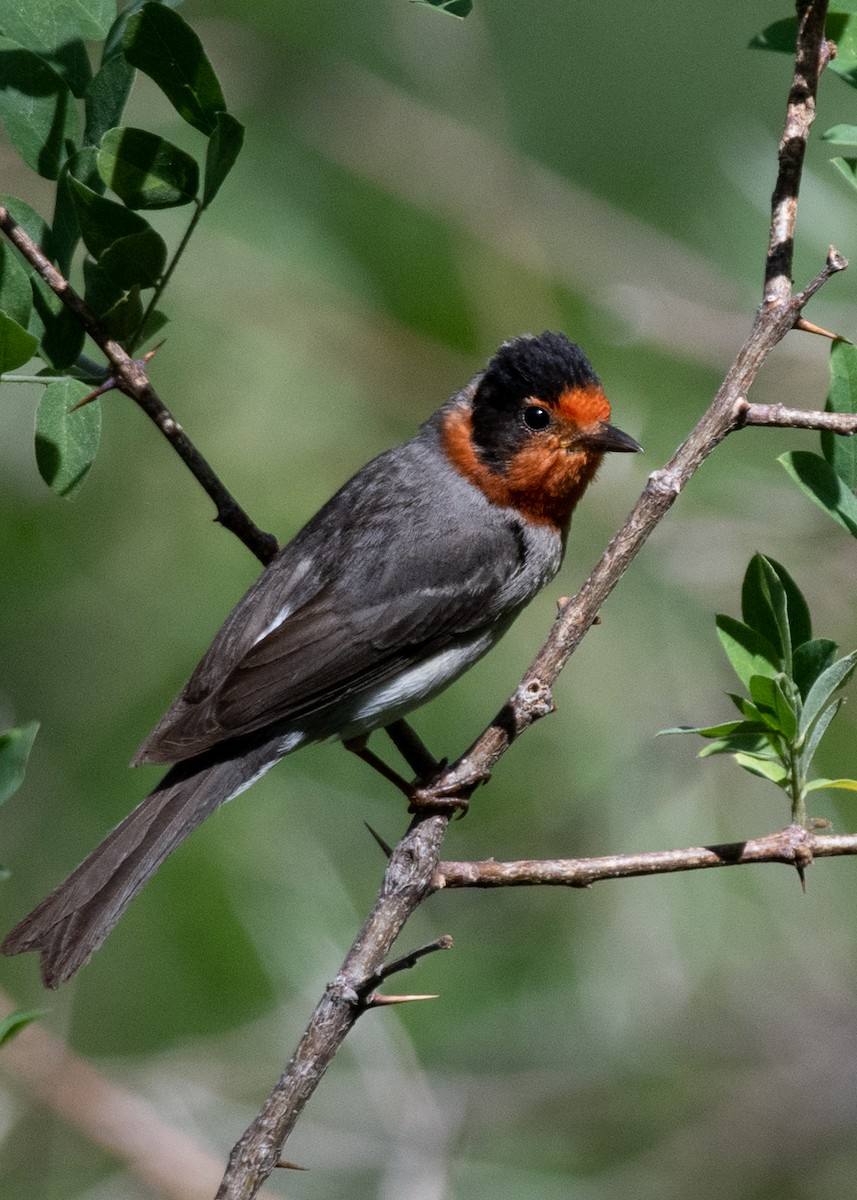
794, 846
844, 424
407, 881
812, 54
131, 377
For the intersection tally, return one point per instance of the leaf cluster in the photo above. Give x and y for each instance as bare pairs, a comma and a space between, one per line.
790, 680
67, 73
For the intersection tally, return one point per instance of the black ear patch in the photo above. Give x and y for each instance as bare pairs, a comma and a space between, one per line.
541, 367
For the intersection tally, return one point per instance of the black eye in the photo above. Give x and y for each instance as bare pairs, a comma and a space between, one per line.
536, 417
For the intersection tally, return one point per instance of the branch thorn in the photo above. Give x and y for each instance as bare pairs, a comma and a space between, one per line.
385, 846
107, 386
808, 327
379, 1000
290, 1166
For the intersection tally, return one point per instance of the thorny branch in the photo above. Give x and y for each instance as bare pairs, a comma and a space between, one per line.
257, 1151
795, 846
131, 377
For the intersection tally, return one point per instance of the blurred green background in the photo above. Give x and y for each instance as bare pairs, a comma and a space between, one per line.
414, 190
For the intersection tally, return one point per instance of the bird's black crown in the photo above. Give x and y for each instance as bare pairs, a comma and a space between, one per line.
542, 367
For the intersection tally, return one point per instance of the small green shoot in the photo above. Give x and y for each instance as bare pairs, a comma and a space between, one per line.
790, 680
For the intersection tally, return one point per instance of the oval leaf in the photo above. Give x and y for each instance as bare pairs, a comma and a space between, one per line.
17, 346
16, 295
66, 442
773, 705
163, 46
136, 259
145, 171
48, 24
766, 768
772, 604
102, 221
37, 108
106, 97
749, 653
820, 482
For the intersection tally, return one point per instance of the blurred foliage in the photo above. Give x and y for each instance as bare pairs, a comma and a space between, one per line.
413, 190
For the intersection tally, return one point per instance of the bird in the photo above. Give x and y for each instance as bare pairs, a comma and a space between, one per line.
405, 578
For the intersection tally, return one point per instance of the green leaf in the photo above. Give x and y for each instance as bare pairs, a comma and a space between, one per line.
706, 731
123, 318
818, 480
106, 97
12, 1024
17, 346
15, 747
748, 741
749, 653
16, 295
66, 442
138, 258
102, 221
810, 659
37, 108
65, 233
773, 705
145, 171
818, 731
46, 24
223, 149
847, 168
101, 290
772, 604
839, 451
842, 135
455, 8
158, 42
849, 785
123, 243
827, 683
765, 768
60, 334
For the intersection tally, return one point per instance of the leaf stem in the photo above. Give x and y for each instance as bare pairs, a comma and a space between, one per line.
165, 278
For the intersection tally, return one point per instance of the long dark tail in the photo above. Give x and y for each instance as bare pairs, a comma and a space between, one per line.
72, 922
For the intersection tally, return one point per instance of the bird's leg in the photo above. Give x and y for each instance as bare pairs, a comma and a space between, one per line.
357, 745
418, 758
413, 750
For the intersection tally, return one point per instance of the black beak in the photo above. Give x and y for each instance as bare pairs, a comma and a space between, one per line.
609, 438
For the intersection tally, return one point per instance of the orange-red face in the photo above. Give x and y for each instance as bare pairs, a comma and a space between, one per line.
552, 451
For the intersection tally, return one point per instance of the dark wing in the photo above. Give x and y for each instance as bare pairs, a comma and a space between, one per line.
320, 655
361, 603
